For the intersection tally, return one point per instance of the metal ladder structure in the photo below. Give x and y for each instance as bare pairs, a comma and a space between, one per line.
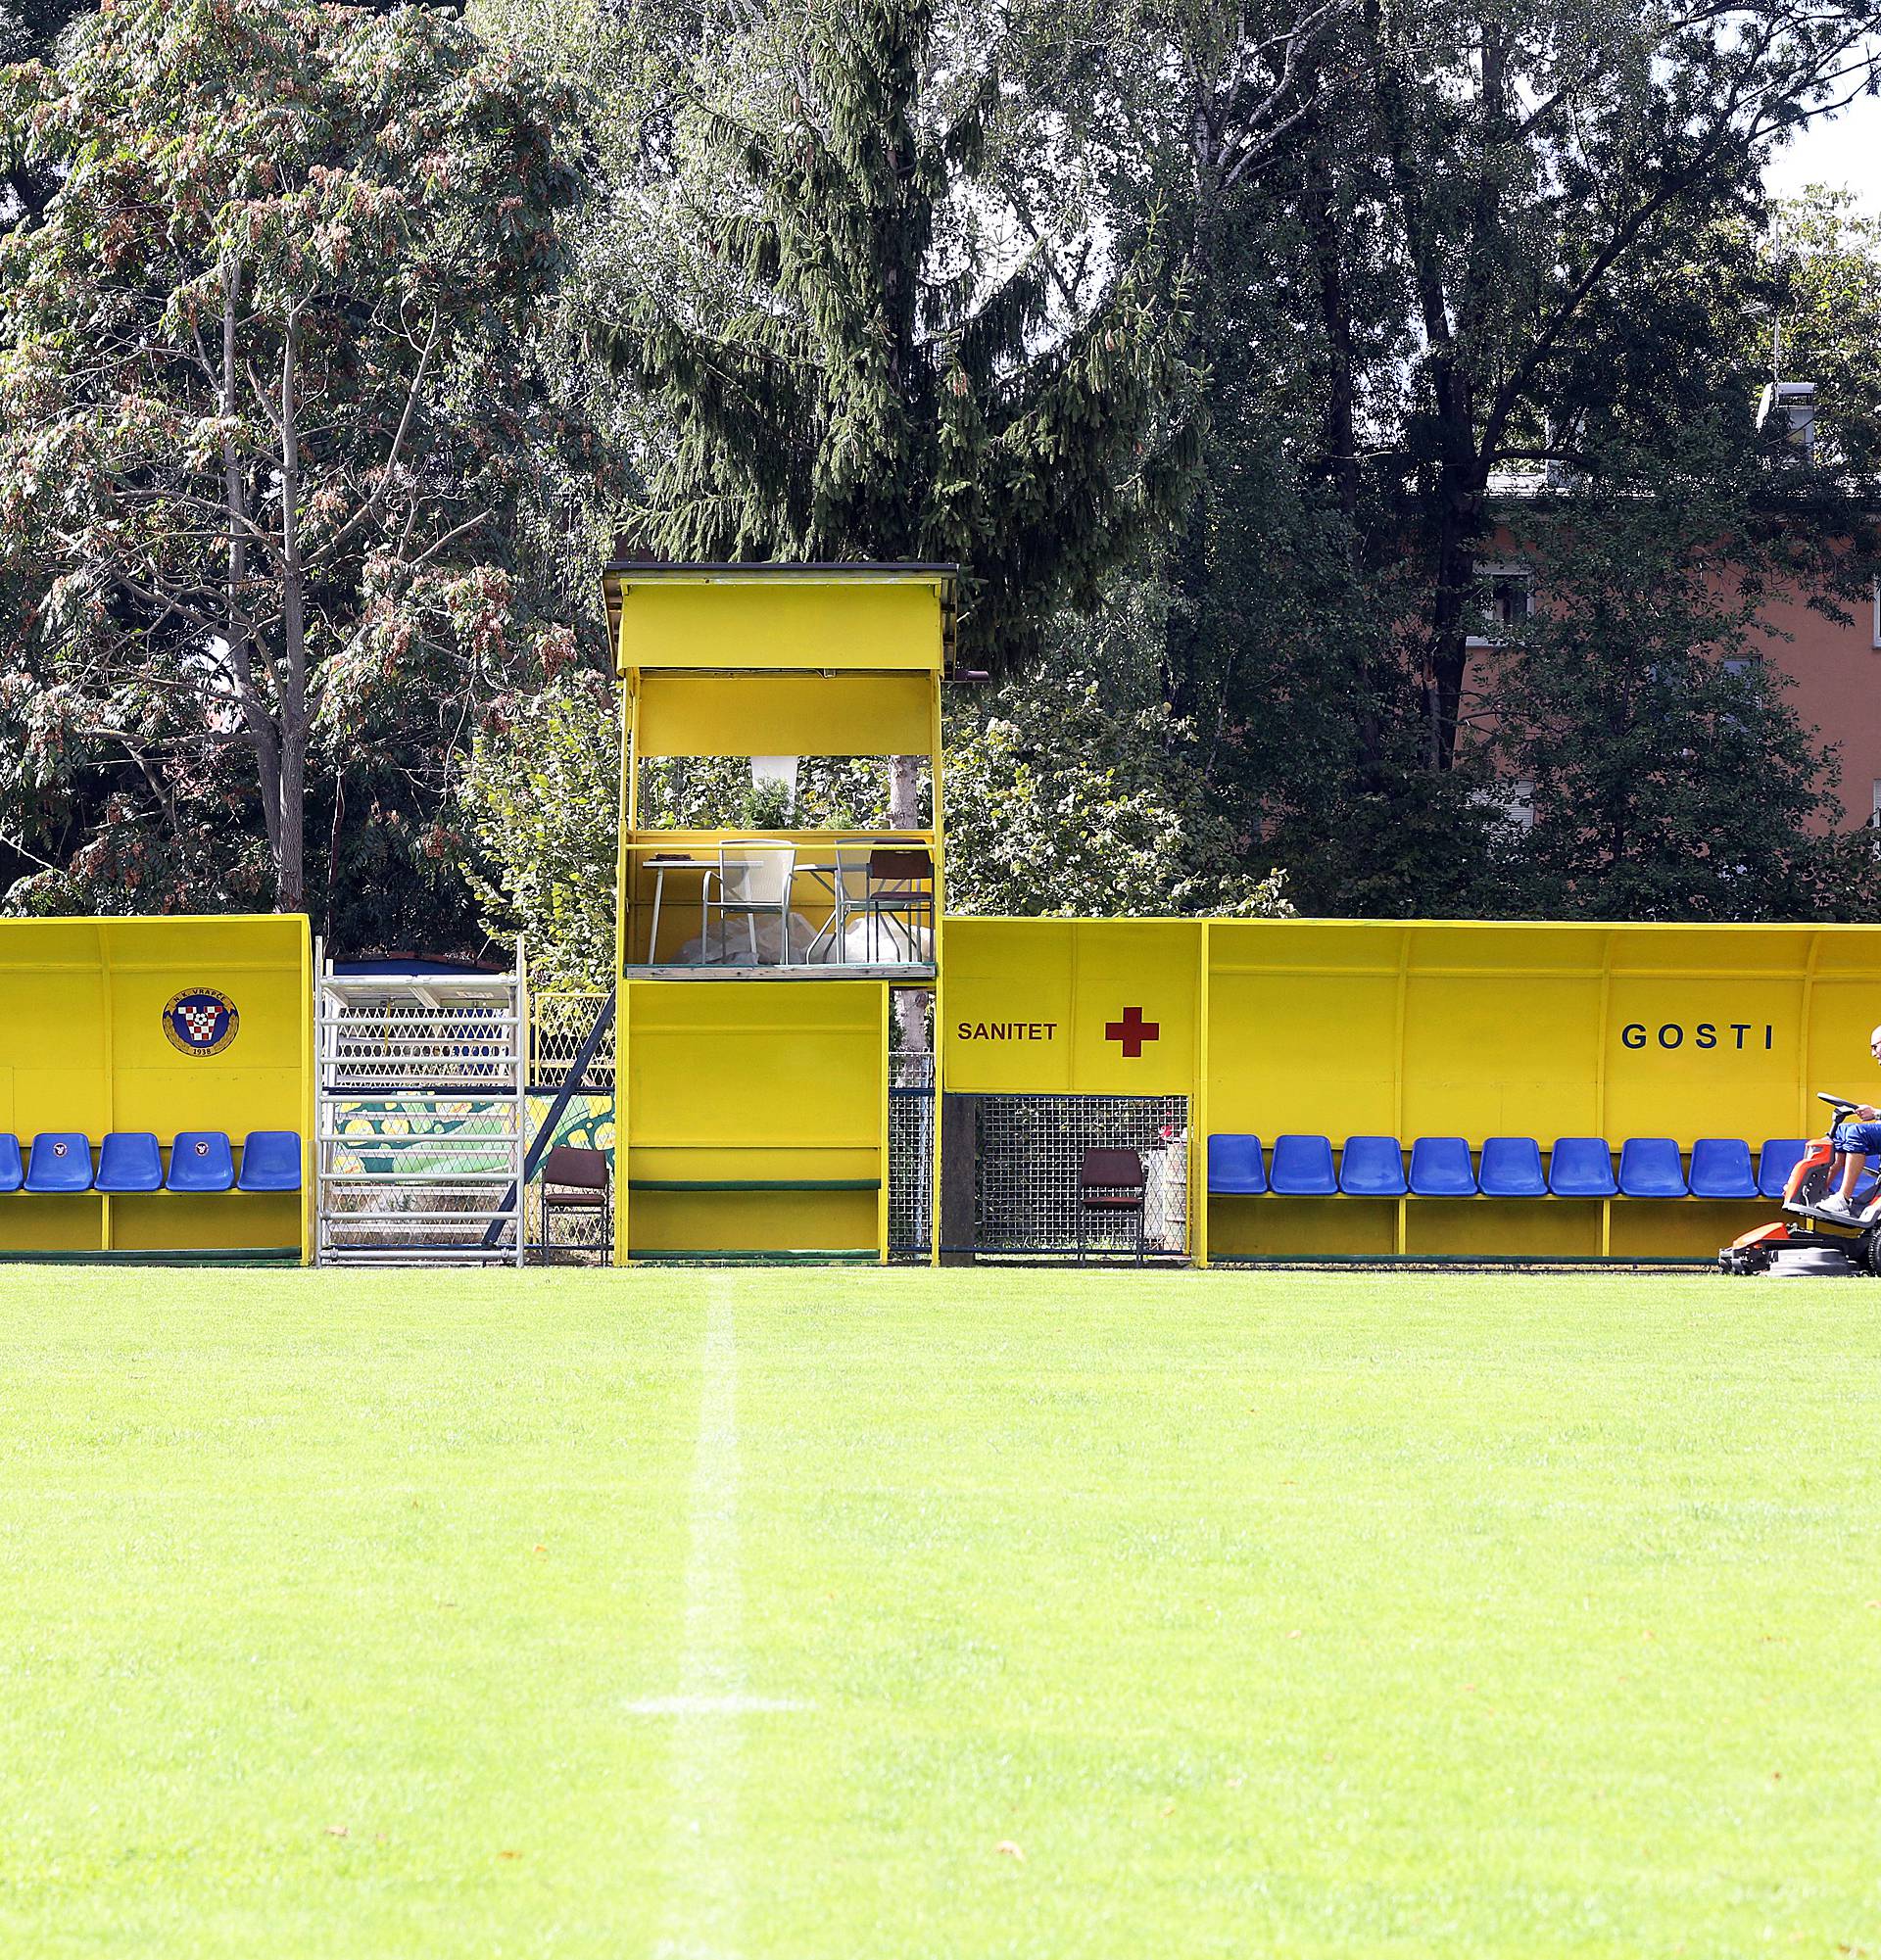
421, 1118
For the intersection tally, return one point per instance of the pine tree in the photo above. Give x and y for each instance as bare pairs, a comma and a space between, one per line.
876, 372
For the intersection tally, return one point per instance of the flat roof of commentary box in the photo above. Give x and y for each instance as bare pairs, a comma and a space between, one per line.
780, 618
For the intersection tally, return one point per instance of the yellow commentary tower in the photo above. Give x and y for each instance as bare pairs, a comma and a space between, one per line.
760, 942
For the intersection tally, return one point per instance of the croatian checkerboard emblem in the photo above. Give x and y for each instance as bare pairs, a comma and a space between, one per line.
201, 1020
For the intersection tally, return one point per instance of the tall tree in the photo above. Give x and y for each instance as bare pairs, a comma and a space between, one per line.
868, 360
268, 415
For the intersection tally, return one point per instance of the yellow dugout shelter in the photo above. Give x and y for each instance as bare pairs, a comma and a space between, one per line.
1676, 1064
156, 1087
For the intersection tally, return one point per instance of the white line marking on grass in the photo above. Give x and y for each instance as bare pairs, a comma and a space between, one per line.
712, 1704
702, 1905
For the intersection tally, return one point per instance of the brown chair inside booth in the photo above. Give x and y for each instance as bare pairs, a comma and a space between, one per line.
577, 1181
897, 891
1108, 1182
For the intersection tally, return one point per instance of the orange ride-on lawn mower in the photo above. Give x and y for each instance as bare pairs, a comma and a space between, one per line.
1827, 1243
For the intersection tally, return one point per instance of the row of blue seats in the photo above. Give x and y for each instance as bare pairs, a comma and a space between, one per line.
1508, 1167
131, 1160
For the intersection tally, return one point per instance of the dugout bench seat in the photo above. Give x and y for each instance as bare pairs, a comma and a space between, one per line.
1502, 1166
1492, 1198
131, 1162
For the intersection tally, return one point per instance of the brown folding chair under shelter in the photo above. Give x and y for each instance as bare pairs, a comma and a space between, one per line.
577, 1181
1110, 1181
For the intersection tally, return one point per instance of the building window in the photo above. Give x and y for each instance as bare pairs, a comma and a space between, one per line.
1503, 603
1514, 801
1877, 614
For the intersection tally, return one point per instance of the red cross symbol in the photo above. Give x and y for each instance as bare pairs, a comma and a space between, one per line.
1133, 1032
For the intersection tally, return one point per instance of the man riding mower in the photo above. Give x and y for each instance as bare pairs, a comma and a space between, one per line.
1824, 1188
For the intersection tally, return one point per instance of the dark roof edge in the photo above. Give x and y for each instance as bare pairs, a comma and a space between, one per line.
781, 567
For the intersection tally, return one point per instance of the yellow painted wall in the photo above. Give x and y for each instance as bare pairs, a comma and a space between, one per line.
1044, 1006
84, 1048
754, 619
783, 714
755, 1083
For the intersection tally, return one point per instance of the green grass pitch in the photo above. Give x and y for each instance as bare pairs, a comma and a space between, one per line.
835, 1615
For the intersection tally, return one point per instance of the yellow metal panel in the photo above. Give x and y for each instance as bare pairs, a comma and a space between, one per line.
169, 1222
733, 1222
1078, 1007
1703, 1057
31, 1224
753, 1082
728, 622
1501, 1227
1314, 1053
728, 1064
1680, 1228
1843, 1012
1501, 1055
782, 714
1726, 950
1302, 1227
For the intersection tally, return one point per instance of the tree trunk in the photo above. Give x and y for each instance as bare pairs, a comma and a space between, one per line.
290, 866
1460, 527
262, 734
904, 814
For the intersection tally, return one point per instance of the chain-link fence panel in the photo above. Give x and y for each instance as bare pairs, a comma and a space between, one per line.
1026, 1197
559, 1024
910, 1155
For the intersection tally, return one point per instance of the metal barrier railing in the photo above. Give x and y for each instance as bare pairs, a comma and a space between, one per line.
559, 1024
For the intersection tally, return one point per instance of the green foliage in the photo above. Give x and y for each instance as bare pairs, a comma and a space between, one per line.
1823, 255
271, 435
539, 801
1076, 792
851, 360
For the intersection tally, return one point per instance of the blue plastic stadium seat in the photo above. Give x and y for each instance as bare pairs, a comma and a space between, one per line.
12, 1168
1774, 1163
200, 1160
1234, 1165
1512, 1167
1302, 1167
61, 1161
1649, 1167
1722, 1167
270, 1161
1441, 1167
1371, 1167
128, 1160
1582, 1167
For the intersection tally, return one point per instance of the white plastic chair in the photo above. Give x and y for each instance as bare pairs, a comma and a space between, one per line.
754, 884
847, 876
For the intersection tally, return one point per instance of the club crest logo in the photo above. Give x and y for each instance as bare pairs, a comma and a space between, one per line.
201, 1020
